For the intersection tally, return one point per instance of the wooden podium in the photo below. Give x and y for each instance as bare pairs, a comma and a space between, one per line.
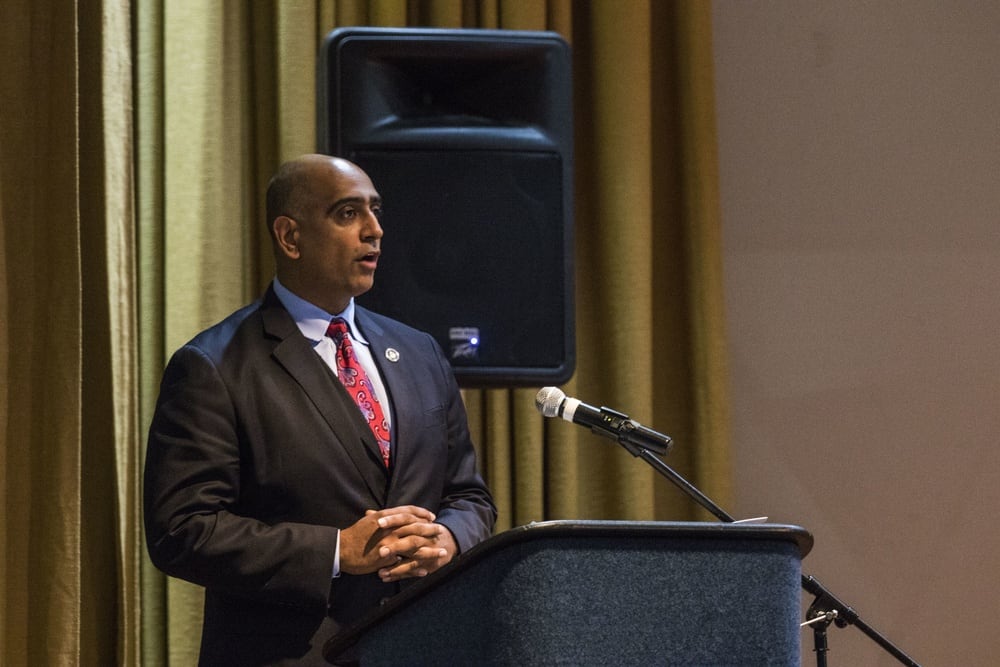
598, 593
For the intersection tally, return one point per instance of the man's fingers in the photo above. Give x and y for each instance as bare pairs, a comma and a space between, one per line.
429, 553
413, 540
407, 568
423, 562
394, 517
429, 531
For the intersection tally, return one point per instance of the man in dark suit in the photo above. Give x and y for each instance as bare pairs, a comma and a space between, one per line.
264, 481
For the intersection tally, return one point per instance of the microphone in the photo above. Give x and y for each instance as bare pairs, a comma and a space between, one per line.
552, 402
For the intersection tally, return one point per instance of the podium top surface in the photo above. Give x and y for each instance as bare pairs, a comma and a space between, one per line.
663, 529
570, 530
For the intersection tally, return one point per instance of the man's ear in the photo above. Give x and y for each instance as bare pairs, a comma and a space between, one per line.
286, 236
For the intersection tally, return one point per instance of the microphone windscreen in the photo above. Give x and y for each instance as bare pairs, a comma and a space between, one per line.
548, 400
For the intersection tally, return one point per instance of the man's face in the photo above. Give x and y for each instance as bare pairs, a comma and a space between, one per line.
338, 235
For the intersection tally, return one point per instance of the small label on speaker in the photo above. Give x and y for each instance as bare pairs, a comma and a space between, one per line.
464, 342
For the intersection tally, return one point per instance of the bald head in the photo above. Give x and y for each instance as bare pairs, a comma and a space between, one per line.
291, 190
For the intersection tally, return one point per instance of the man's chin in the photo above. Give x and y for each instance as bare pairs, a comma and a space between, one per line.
363, 287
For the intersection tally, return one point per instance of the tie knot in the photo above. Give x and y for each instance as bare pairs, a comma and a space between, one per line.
337, 330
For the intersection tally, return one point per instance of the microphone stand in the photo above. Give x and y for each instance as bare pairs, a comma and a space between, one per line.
825, 609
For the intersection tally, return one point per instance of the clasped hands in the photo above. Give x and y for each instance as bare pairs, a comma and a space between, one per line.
397, 542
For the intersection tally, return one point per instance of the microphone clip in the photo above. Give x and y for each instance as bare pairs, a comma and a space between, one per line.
630, 433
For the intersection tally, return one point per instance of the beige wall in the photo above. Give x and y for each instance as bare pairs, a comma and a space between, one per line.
860, 175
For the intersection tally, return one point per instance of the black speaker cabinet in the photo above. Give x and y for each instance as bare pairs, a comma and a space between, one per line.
467, 135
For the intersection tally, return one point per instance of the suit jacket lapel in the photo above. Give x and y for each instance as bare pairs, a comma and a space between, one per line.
398, 379
293, 352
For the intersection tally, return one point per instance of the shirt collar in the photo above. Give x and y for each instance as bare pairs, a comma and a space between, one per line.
312, 320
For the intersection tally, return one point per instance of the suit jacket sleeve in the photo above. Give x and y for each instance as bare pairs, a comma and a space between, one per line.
197, 528
466, 507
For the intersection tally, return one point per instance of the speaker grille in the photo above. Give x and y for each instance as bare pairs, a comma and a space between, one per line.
470, 244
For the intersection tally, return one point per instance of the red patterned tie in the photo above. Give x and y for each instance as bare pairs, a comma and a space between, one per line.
352, 375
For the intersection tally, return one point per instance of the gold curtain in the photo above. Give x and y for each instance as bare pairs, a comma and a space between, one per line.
69, 474
137, 136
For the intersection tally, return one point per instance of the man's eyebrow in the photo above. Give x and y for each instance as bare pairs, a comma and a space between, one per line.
353, 200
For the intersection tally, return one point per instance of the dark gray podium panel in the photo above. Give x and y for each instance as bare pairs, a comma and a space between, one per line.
600, 593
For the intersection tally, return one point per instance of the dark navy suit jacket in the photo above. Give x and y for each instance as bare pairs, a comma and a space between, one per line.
257, 455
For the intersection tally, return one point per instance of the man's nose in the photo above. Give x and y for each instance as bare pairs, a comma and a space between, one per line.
373, 228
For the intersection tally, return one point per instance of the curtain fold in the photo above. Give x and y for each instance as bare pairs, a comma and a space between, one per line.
40, 473
614, 245
702, 221
110, 444
150, 344
136, 144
